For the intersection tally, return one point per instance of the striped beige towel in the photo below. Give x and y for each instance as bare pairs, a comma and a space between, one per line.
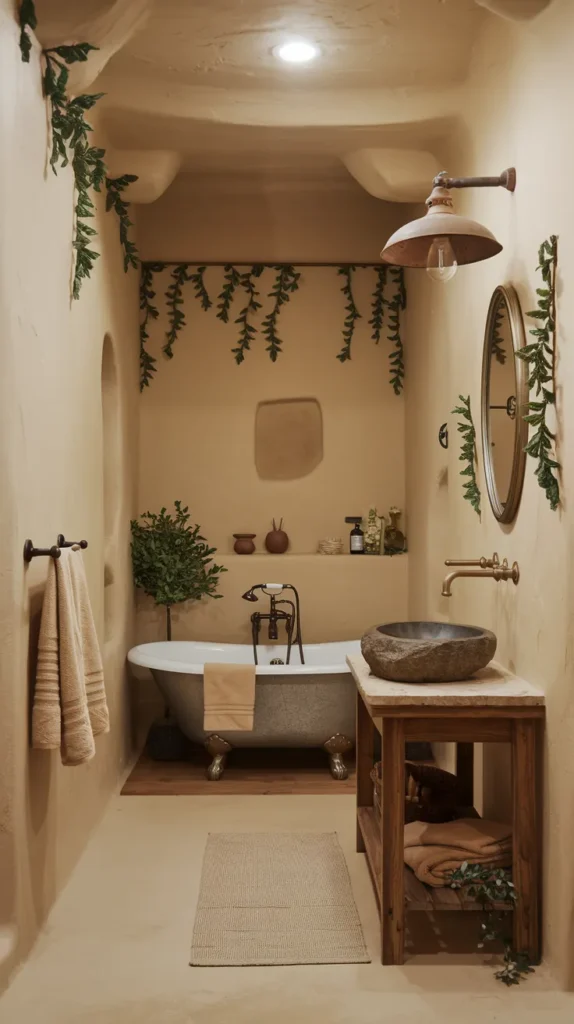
228, 697
69, 706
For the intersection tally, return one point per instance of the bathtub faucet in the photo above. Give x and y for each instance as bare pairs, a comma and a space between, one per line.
275, 615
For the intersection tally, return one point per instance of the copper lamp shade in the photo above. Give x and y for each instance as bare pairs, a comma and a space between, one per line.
470, 241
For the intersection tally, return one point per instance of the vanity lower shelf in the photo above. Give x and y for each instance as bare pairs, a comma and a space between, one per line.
417, 895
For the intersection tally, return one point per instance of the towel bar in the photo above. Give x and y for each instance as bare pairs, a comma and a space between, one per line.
63, 543
31, 552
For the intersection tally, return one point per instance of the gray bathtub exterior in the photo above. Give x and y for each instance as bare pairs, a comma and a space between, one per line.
290, 710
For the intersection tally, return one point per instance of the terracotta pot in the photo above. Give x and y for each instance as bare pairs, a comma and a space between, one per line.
244, 543
277, 540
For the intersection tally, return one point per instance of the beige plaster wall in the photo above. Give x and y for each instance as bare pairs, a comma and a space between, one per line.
198, 415
51, 475
516, 113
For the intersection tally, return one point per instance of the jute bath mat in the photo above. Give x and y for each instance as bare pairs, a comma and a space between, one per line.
276, 898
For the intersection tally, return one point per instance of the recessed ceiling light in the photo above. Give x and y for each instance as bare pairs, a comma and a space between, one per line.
296, 52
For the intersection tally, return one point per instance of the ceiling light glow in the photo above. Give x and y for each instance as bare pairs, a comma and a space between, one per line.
296, 52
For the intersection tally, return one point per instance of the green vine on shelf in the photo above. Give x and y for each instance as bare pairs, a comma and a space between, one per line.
396, 304
231, 279
286, 282
352, 313
197, 279
28, 23
468, 452
150, 312
490, 887
174, 302
247, 330
114, 201
70, 137
540, 356
378, 304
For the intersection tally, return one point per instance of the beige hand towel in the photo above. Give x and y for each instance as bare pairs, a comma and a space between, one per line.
69, 706
228, 697
433, 851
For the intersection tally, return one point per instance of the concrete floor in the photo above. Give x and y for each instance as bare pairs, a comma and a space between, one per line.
116, 947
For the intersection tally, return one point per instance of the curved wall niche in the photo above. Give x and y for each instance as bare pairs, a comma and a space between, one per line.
111, 462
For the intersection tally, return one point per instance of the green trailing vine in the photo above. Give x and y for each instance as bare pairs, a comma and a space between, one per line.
490, 887
247, 331
385, 310
174, 302
471, 490
352, 313
231, 279
397, 304
28, 23
540, 357
114, 201
196, 278
286, 282
497, 344
150, 312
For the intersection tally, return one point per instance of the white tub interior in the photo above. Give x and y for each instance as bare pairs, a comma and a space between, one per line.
190, 656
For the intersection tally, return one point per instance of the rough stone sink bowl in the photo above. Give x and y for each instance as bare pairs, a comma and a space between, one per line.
427, 652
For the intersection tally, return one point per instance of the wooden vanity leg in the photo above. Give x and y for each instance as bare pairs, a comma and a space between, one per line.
365, 754
526, 837
392, 842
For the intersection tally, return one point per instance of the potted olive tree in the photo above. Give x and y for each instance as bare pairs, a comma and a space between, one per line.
172, 562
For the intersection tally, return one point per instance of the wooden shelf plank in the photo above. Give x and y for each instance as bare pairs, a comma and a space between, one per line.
418, 897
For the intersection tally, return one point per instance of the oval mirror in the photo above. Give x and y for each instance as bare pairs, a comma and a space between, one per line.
504, 399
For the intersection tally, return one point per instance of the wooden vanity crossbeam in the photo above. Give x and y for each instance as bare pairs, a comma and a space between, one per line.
494, 707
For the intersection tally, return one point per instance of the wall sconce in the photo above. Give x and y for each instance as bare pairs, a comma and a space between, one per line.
441, 240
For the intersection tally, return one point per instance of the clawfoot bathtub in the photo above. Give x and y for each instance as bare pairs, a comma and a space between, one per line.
310, 705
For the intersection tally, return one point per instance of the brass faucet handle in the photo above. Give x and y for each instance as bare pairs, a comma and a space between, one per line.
482, 562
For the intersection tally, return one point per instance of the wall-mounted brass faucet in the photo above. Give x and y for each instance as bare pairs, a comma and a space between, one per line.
482, 568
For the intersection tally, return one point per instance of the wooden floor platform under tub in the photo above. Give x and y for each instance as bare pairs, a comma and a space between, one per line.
248, 772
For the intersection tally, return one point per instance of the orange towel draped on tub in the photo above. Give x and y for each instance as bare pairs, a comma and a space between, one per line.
228, 697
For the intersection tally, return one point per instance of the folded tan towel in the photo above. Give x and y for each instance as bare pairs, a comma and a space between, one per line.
433, 851
228, 697
69, 706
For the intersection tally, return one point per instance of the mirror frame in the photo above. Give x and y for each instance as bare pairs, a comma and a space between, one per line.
507, 512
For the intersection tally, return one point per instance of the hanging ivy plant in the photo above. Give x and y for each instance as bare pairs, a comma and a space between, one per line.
199, 288
231, 279
497, 343
174, 302
28, 23
286, 282
378, 304
114, 201
471, 490
489, 887
352, 313
150, 312
397, 303
540, 356
247, 330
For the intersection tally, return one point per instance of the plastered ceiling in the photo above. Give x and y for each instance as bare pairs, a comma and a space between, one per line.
197, 87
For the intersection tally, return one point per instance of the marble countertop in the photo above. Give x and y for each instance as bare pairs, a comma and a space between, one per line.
493, 686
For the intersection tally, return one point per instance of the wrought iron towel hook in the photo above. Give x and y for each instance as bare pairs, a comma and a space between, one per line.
31, 552
63, 543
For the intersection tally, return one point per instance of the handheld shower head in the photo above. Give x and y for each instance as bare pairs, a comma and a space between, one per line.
249, 595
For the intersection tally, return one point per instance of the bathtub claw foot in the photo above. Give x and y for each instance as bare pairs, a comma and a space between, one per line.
336, 747
218, 749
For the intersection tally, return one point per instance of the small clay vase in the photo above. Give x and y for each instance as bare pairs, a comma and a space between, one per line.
244, 543
277, 540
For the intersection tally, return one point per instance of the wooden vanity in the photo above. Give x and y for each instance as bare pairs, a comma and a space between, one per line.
494, 707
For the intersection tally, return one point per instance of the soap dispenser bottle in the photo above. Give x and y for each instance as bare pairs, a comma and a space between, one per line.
356, 537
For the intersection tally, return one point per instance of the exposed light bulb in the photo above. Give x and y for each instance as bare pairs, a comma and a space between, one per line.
441, 261
296, 52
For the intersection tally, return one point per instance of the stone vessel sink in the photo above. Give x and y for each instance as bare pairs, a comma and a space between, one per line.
427, 652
